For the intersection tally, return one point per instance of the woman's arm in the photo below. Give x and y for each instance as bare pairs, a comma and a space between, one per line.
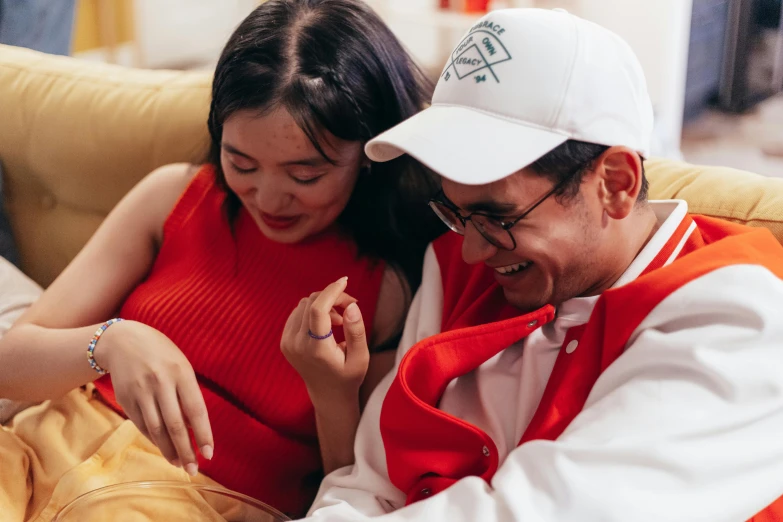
394, 299
43, 353
340, 378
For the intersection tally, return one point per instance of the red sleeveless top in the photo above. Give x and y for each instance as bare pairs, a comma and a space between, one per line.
224, 299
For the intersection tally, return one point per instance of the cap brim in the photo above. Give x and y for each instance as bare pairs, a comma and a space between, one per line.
465, 145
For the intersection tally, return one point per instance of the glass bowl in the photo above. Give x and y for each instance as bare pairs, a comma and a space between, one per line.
166, 501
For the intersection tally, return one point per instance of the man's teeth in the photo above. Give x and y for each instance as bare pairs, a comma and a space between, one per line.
510, 269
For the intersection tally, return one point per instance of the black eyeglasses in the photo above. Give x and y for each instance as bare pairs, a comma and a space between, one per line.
497, 232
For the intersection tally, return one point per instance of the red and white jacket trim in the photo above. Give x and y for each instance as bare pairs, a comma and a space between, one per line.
671, 407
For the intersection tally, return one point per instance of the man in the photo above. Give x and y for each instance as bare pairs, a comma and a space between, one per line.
581, 353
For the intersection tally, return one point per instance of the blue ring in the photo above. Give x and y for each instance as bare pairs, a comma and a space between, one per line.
319, 337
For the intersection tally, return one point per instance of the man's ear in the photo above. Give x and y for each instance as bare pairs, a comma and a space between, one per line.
620, 175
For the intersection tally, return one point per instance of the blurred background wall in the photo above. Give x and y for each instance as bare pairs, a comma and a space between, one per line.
714, 67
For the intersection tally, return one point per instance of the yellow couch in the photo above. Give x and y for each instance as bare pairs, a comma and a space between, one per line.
75, 136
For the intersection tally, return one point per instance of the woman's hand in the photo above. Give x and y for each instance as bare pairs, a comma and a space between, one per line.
333, 373
156, 387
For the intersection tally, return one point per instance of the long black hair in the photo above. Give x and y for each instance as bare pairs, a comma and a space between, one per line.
335, 66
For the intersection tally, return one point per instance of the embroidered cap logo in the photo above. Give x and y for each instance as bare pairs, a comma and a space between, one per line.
481, 50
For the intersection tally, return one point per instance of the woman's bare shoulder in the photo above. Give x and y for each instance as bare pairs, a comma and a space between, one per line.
160, 190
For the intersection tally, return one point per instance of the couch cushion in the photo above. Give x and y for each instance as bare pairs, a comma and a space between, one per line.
730, 194
8, 248
75, 136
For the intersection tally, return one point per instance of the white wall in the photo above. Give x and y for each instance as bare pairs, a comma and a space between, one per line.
171, 33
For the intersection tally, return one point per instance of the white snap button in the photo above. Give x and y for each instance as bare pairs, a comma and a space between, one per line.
426, 492
485, 451
572, 346
532, 323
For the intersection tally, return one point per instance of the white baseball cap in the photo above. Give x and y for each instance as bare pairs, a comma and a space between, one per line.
520, 83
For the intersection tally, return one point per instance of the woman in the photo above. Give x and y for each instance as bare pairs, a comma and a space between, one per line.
203, 267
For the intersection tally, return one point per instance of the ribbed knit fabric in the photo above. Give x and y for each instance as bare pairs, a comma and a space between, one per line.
224, 299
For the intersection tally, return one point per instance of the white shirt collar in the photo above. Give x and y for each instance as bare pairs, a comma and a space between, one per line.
670, 214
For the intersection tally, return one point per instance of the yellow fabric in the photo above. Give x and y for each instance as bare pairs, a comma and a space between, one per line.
75, 136
734, 195
93, 18
54, 452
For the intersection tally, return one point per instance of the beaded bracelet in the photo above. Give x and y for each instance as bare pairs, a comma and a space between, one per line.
94, 342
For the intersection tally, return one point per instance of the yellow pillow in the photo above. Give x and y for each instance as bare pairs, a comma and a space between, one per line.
720, 192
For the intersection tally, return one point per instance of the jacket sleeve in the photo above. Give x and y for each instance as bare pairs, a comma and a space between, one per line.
685, 426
